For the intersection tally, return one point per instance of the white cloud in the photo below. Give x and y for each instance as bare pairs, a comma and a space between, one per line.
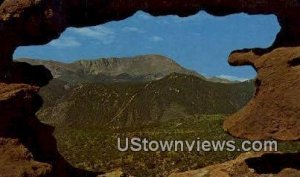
100, 33
233, 78
65, 42
131, 29
156, 39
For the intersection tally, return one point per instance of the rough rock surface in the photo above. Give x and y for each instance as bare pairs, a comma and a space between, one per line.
274, 111
17, 161
18, 103
251, 165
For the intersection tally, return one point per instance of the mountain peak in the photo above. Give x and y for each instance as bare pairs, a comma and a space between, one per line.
137, 68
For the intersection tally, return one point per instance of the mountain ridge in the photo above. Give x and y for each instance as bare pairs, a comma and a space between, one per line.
138, 68
176, 95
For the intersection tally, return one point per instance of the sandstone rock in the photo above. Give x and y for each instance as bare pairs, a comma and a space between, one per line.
274, 112
17, 161
250, 164
19, 128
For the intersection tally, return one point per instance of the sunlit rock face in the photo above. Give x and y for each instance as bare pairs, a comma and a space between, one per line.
273, 112
17, 161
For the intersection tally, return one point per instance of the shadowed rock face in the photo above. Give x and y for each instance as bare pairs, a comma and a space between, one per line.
25, 140
18, 103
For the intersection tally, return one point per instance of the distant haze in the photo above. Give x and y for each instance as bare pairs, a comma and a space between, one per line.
200, 42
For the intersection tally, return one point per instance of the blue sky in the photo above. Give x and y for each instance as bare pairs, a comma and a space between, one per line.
201, 42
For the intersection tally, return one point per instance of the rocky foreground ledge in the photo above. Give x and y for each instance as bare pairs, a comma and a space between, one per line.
251, 165
17, 161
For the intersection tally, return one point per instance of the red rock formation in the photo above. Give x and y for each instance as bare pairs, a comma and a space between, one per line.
251, 165
274, 111
18, 105
17, 161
